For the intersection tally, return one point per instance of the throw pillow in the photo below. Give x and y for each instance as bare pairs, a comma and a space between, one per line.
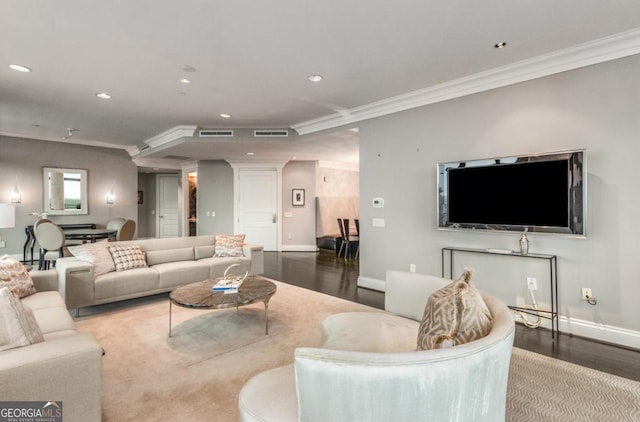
229, 245
128, 257
15, 276
96, 254
18, 326
455, 314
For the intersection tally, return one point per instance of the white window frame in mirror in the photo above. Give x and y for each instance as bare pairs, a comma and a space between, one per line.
84, 209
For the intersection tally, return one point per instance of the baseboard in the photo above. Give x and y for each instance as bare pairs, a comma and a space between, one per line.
605, 333
299, 248
372, 283
600, 332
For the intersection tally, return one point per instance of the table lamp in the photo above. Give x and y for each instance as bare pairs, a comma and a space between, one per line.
7, 218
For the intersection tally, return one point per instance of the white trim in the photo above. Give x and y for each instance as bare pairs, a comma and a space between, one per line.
601, 332
299, 248
598, 51
372, 283
171, 135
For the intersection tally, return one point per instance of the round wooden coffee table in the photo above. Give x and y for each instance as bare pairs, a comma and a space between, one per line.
200, 295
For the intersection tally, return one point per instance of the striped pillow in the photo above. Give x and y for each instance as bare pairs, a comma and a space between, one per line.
455, 314
229, 245
18, 324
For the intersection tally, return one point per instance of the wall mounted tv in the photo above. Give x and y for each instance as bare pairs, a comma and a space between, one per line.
541, 193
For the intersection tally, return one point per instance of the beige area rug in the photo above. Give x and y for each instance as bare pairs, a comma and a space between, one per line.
196, 374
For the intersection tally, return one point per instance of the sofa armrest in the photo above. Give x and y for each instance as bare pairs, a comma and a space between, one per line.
406, 293
67, 369
256, 254
75, 282
45, 281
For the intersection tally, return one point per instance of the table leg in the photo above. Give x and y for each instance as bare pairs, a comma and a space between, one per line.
170, 317
266, 316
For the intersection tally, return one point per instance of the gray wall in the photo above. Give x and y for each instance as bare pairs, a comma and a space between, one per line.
106, 167
299, 230
215, 194
596, 108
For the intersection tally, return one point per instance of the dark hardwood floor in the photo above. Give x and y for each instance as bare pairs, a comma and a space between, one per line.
324, 272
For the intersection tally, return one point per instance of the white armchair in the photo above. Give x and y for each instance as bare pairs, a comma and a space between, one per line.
464, 383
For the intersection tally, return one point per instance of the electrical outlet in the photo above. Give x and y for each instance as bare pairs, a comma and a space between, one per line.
412, 268
586, 293
532, 283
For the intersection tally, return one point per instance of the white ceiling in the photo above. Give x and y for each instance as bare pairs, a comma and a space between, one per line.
252, 59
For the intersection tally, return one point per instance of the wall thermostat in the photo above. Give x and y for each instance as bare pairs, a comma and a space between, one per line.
377, 202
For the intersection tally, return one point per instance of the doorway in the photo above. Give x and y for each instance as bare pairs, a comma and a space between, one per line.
258, 216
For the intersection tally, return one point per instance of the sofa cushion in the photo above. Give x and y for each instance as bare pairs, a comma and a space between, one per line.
229, 245
125, 284
97, 254
169, 255
51, 314
128, 257
173, 274
393, 333
453, 315
204, 251
18, 326
15, 276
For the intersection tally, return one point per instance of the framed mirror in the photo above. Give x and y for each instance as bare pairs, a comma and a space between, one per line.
65, 191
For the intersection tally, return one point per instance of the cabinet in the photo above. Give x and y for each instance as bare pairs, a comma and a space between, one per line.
553, 278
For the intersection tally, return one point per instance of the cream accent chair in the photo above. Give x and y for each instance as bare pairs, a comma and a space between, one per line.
369, 370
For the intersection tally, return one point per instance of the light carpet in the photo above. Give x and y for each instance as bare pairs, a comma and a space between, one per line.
196, 374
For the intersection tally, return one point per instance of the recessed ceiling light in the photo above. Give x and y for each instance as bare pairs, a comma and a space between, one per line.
103, 95
188, 68
19, 68
185, 81
501, 44
251, 153
315, 78
225, 115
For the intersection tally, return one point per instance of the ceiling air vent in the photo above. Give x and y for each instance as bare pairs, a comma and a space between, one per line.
215, 133
280, 133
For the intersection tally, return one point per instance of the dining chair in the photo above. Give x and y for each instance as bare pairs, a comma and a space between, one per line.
50, 237
127, 230
347, 239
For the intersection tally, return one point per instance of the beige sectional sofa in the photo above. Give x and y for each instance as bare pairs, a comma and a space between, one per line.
368, 368
172, 262
66, 367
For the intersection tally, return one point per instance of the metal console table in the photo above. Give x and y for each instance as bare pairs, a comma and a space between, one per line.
553, 277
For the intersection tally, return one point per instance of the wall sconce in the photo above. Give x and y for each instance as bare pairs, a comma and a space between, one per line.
16, 195
111, 198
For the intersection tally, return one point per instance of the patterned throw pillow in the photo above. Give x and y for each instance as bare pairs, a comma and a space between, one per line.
128, 257
229, 245
455, 314
96, 254
18, 326
15, 276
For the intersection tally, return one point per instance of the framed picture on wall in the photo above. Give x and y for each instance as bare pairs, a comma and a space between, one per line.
297, 197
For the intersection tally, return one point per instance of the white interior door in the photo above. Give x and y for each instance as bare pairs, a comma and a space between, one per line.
258, 207
168, 211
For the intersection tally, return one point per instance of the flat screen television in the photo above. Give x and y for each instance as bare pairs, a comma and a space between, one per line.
541, 193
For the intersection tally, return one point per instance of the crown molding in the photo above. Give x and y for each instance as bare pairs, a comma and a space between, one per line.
602, 50
171, 135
